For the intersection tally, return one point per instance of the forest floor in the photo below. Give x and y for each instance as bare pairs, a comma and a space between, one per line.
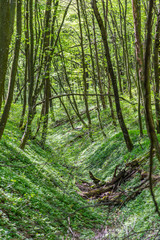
76, 188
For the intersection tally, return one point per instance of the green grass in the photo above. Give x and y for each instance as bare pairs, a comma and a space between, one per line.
38, 193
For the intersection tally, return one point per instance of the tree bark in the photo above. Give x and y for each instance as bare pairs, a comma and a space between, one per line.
147, 91
83, 7
7, 13
84, 71
9, 99
31, 78
157, 71
136, 7
113, 78
26, 24
47, 64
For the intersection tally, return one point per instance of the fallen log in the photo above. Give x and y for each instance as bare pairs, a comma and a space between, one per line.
110, 192
96, 192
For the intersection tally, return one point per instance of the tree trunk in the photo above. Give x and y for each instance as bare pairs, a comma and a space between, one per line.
103, 100
47, 69
74, 106
157, 71
31, 78
114, 39
113, 78
7, 13
84, 71
136, 7
26, 66
147, 92
83, 7
9, 99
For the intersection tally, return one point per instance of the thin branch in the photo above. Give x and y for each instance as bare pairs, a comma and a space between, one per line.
82, 94
58, 34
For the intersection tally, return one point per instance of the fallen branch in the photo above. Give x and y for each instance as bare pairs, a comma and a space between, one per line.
110, 192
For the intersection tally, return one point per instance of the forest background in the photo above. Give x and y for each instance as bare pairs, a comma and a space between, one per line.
91, 69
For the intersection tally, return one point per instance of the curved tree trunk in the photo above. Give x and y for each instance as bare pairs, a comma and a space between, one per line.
83, 7
113, 78
147, 91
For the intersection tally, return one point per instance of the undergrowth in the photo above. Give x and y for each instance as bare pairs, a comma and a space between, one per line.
38, 194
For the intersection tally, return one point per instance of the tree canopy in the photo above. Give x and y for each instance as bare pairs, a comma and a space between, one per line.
65, 61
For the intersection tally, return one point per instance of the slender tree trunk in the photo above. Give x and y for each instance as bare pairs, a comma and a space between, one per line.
121, 37
31, 78
103, 100
139, 102
110, 99
84, 71
24, 97
113, 78
75, 106
65, 108
157, 71
126, 51
83, 7
114, 39
137, 29
7, 13
47, 70
100, 83
9, 99
26, 65
147, 90
107, 75
39, 121
136, 7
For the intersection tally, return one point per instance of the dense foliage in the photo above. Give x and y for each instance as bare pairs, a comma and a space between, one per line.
79, 92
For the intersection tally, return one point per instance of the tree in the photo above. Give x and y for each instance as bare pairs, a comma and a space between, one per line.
112, 75
30, 76
7, 13
136, 6
9, 99
157, 71
147, 92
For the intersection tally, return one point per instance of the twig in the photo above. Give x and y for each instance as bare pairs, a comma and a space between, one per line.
70, 229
